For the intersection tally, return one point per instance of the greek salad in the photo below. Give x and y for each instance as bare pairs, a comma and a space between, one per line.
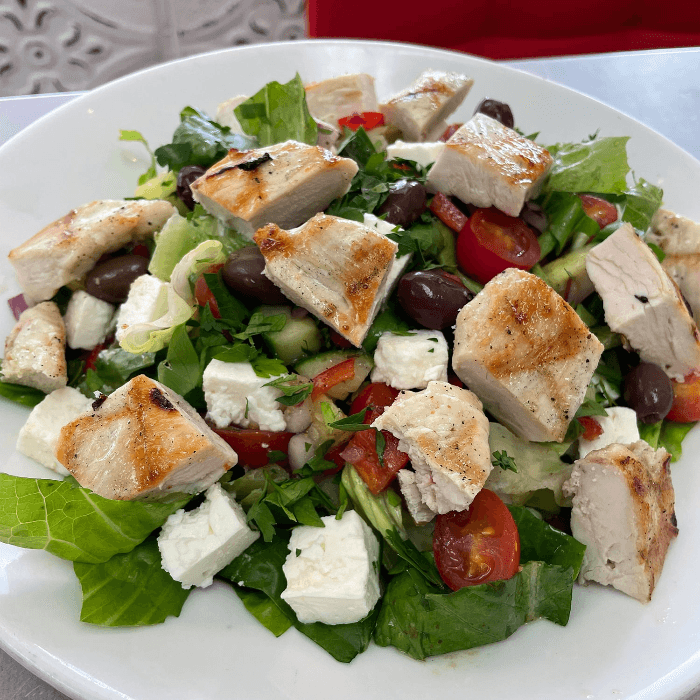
391, 379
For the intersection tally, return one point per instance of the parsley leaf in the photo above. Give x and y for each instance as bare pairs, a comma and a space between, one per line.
503, 460
352, 423
293, 391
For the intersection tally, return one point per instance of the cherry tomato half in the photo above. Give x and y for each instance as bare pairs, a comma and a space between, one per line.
203, 295
477, 545
492, 241
602, 211
591, 427
253, 446
375, 396
686, 400
368, 120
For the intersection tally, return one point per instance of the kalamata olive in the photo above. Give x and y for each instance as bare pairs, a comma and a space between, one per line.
110, 280
185, 178
432, 298
649, 392
499, 111
405, 203
533, 215
242, 273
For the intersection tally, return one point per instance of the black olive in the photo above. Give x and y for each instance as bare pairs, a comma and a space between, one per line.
110, 280
405, 203
649, 391
432, 298
243, 274
185, 178
499, 111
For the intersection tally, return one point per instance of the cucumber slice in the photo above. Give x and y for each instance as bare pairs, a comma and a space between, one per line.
299, 338
312, 366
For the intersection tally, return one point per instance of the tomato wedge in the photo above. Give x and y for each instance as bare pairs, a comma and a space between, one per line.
254, 446
374, 396
203, 295
591, 427
368, 120
600, 210
492, 241
333, 375
447, 212
686, 400
477, 545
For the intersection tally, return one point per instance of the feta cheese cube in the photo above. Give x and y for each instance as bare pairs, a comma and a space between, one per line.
39, 435
194, 545
87, 320
619, 426
235, 394
424, 154
333, 267
146, 297
526, 354
411, 361
421, 109
487, 164
332, 571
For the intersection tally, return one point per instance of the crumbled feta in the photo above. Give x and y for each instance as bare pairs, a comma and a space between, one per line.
619, 426
411, 361
235, 394
87, 320
332, 571
194, 545
39, 435
424, 154
143, 303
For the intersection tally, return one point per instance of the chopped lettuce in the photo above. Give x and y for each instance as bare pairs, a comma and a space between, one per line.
73, 523
130, 589
113, 368
278, 112
25, 395
539, 467
671, 437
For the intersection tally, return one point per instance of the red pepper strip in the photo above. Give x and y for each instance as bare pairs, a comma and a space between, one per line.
368, 120
333, 375
591, 427
448, 213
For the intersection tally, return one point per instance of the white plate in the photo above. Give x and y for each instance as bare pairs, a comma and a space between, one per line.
613, 647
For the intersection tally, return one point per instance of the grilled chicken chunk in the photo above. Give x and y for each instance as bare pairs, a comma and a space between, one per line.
643, 303
335, 268
679, 238
526, 354
421, 109
623, 511
332, 99
143, 442
487, 164
35, 350
68, 248
284, 184
446, 434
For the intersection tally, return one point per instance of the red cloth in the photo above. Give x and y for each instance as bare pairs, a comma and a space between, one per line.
499, 29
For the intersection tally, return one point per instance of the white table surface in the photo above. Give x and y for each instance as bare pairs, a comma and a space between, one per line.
659, 88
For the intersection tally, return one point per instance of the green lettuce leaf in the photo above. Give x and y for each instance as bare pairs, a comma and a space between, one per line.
260, 568
25, 395
598, 165
130, 589
180, 371
72, 522
418, 619
113, 368
199, 140
278, 112
671, 437
640, 203
566, 217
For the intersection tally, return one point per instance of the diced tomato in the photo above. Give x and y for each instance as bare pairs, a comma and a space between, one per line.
492, 241
602, 211
142, 250
204, 295
333, 375
368, 120
448, 213
253, 446
92, 357
374, 396
591, 427
686, 399
477, 545
450, 131
455, 380
339, 341
361, 452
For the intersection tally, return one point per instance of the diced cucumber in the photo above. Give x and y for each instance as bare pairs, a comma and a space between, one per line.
299, 338
312, 366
